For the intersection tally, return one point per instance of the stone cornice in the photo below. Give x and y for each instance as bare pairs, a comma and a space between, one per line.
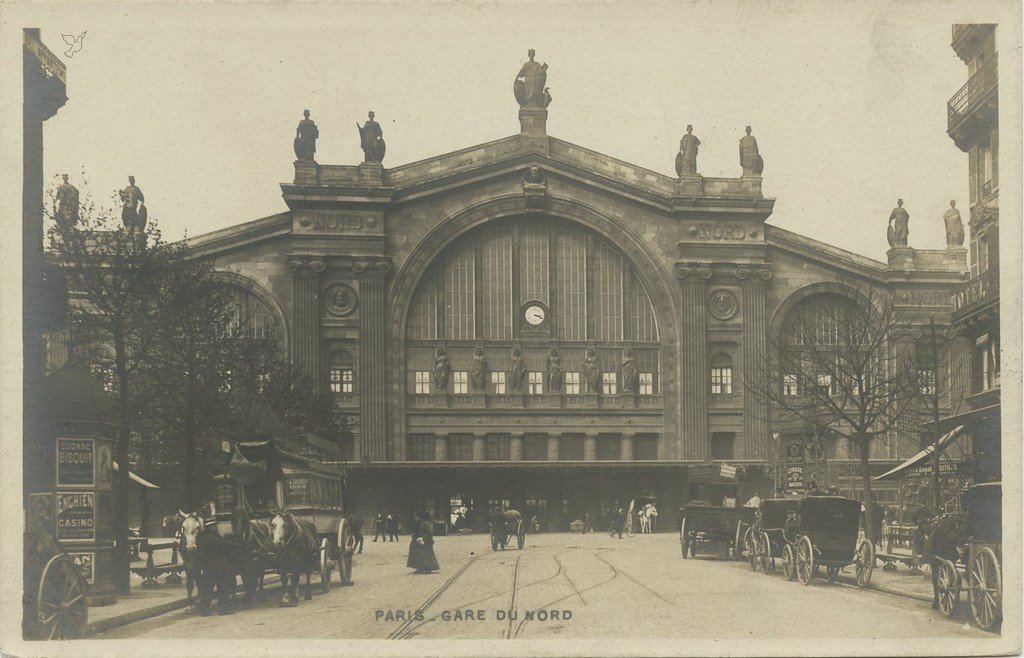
741, 272
306, 265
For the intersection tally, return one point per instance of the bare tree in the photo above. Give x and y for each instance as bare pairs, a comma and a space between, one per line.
834, 370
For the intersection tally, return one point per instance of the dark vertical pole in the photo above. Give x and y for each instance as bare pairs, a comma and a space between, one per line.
936, 494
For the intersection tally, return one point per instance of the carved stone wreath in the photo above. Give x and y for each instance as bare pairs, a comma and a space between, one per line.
722, 304
340, 300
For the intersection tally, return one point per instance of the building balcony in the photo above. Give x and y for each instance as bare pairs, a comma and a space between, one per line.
976, 295
973, 110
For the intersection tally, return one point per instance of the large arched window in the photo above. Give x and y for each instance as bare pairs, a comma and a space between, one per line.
820, 347
249, 317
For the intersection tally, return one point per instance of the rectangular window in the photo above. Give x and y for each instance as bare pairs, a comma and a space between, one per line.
572, 383
498, 448
609, 385
723, 445
342, 380
535, 447
421, 447
982, 254
460, 297
645, 447
570, 447
422, 382
571, 264
974, 258
609, 447
647, 383
926, 379
535, 382
721, 380
460, 447
460, 382
498, 383
647, 362
825, 383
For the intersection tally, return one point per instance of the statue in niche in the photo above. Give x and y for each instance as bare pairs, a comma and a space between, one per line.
478, 371
630, 372
592, 371
555, 375
442, 370
954, 226
899, 226
306, 135
686, 159
516, 370
65, 204
750, 158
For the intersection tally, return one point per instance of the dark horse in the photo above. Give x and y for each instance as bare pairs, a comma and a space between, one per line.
295, 546
943, 537
253, 538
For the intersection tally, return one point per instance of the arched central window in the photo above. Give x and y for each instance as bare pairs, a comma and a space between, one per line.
249, 317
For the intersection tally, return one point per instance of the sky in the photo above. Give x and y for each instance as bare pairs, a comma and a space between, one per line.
200, 101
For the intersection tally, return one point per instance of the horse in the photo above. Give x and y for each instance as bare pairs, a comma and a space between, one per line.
295, 546
645, 521
190, 525
253, 537
944, 535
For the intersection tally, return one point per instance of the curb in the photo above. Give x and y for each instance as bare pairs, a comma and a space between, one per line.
104, 625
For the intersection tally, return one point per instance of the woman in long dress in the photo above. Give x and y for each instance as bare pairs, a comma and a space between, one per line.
421, 548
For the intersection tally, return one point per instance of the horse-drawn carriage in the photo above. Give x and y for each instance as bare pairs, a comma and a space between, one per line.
773, 535
505, 526
828, 528
704, 524
54, 599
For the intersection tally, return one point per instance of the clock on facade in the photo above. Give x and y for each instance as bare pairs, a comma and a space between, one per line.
534, 314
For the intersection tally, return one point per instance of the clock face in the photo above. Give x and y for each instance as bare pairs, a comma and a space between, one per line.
534, 314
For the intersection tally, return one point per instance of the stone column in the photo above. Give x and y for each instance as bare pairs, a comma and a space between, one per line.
553, 447
373, 361
626, 453
441, 448
479, 448
306, 315
755, 351
590, 447
694, 362
517, 448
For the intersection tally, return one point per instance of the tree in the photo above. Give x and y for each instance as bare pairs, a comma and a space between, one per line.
834, 369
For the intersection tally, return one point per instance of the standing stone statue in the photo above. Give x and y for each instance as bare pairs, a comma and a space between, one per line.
528, 87
630, 372
65, 204
442, 370
899, 226
555, 375
133, 214
516, 370
305, 139
592, 371
478, 371
750, 159
686, 159
371, 138
954, 226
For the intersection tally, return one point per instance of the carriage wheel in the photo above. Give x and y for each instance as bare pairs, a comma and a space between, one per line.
864, 560
788, 562
494, 542
61, 609
326, 565
949, 588
764, 551
347, 547
521, 536
737, 547
682, 537
805, 560
986, 589
750, 546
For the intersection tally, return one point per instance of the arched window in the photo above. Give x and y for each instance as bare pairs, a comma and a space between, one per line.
249, 317
721, 374
341, 372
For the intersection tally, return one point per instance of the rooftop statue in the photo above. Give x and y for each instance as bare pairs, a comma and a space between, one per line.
686, 159
306, 135
954, 226
133, 214
750, 158
529, 86
65, 203
899, 226
371, 138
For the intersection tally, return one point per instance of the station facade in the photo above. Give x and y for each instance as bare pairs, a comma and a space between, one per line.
531, 323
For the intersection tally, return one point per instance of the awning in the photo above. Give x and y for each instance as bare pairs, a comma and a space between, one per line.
138, 480
923, 457
970, 420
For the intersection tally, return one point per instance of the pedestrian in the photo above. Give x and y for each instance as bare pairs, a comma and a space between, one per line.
217, 570
378, 527
421, 546
356, 525
391, 527
618, 522
588, 523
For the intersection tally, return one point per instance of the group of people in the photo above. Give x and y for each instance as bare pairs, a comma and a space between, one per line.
386, 527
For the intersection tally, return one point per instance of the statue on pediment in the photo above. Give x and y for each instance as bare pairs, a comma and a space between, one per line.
954, 226
133, 213
371, 138
899, 226
306, 135
750, 158
529, 88
686, 159
65, 204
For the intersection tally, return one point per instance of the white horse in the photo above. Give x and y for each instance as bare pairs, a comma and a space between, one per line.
648, 515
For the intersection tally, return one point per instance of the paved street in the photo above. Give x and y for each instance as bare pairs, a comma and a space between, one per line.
634, 587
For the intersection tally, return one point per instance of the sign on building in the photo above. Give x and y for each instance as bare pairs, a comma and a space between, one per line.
76, 516
75, 462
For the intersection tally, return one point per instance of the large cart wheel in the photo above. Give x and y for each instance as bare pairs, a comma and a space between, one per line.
805, 560
682, 538
346, 548
788, 562
521, 535
764, 553
737, 547
864, 561
750, 546
986, 589
326, 565
61, 609
949, 588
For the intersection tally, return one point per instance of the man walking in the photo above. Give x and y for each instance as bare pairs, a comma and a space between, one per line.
391, 527
356, 524
378, 527
217, 559
618, 522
